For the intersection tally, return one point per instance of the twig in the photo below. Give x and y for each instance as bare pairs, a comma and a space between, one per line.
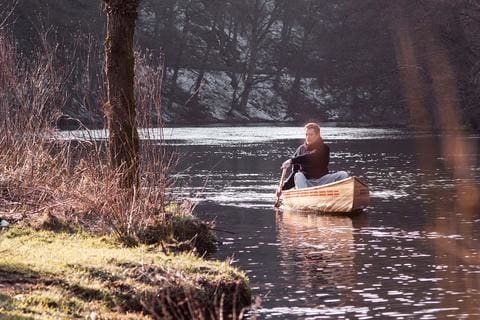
220, 230
46, 207
7, 16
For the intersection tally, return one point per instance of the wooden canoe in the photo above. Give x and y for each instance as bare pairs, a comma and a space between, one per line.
347, 195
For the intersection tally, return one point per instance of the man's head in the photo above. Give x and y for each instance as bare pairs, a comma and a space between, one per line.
312, 132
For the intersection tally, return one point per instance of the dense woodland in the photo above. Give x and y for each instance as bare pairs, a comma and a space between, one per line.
374, 61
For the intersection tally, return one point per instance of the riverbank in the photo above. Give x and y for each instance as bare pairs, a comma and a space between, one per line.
59, 275
79, 246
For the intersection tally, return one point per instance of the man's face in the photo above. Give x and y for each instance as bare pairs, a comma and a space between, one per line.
311, 136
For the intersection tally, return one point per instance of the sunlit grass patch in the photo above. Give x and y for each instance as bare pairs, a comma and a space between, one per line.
70, 275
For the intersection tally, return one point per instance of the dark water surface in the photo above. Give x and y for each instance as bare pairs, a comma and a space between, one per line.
413, 254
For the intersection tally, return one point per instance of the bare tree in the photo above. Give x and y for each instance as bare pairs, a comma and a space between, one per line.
261, 14
120, 108
187, 11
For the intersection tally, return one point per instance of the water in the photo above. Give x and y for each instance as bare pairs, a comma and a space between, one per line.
413, 254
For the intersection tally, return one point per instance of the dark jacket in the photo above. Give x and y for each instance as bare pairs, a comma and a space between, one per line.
312, 160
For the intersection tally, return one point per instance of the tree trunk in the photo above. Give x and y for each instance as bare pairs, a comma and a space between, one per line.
299, 67
201, 74
120, 110
282, 50
168, 45
294, 95
250, 72
204, 62
179, 56
248, 86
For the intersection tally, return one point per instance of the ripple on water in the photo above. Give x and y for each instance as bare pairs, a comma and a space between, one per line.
388, 194
313, 313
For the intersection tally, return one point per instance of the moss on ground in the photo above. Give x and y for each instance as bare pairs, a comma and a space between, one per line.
181, 233
51, 275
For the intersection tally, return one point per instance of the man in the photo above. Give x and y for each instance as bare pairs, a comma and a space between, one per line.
310, 163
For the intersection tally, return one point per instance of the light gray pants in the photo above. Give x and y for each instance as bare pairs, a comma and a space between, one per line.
302, 182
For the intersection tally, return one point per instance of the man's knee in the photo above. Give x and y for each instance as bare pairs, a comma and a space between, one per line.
300, 180
299, 176
342, 175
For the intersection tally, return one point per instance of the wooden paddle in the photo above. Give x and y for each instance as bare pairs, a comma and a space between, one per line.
284, 172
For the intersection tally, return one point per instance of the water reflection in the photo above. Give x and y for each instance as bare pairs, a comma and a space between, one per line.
320, 247
318, 257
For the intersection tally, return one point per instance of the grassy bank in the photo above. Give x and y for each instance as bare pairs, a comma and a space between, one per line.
51, 275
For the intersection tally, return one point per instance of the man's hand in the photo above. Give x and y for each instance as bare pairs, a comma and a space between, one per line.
287, 164
278, 192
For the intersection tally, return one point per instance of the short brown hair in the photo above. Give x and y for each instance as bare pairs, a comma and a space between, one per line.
314, 126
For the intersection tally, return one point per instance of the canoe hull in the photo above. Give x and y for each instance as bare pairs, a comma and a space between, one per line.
346, 195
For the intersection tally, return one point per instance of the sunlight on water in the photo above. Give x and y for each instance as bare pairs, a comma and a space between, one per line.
315, 313
388, 194
241, 135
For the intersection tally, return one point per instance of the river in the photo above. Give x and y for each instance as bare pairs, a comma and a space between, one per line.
413, 253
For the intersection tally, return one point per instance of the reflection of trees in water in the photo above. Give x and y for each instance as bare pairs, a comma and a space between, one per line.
317, 254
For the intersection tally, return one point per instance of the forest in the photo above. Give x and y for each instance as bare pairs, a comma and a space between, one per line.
365, 62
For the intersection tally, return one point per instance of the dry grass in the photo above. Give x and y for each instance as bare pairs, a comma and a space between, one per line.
43, 177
